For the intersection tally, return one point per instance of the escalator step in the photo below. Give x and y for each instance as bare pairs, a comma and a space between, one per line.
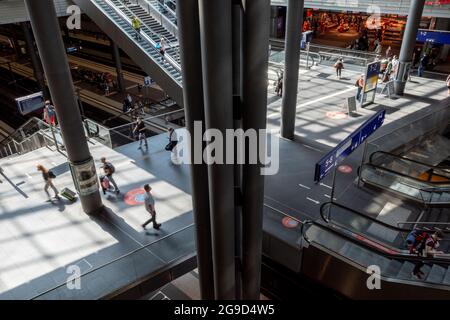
447, 277
436, 274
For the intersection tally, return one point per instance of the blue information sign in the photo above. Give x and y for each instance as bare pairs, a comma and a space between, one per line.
347, 146
439, 37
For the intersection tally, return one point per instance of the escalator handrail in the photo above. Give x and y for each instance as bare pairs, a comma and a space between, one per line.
403, 257
426, 189
144, 34
407, 159
375, 220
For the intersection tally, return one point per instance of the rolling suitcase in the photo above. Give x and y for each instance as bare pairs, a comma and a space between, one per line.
69, 194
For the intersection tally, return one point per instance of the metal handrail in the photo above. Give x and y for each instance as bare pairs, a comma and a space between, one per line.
115, 260
146, 37
408, 159
384, 224
166, 19
427, 189
399, 256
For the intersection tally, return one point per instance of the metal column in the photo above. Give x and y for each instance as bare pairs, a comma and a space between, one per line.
291, 67
254, 115
54, 60
190, 48
217, 64
35, 62
237, 47
408, 44
118, 64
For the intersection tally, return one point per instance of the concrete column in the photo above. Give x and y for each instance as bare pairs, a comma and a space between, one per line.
118, 63
216, 39
254, 115
35, 61
291, 67
54, 60
191, 62
408, 44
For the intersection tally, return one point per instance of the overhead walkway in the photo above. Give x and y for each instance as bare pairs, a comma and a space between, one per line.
114, 19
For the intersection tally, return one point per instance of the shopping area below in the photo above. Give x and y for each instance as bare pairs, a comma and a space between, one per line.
367, 33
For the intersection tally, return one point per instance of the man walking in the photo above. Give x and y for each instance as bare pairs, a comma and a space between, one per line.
109, 170
150, 208
339, 65
140, 131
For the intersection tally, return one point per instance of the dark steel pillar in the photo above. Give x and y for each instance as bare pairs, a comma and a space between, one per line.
35, 61
256, 55
118, 63
54, 60
191, 62
291, 67
408, 44
237, 43
217, 63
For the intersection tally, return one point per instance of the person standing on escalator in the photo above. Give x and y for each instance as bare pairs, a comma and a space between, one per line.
162, 49
136, 23
426, 247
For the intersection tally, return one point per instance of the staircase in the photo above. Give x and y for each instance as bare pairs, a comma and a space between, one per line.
114, 18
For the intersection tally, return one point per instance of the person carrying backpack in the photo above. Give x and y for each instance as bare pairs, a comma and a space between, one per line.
48, 178
425, 246
162, 49
109, 170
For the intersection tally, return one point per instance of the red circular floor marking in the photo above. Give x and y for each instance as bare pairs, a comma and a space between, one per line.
289, 222
345, 169
135, 197
336, 115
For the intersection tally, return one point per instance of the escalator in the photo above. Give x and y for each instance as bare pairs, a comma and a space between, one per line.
428, 184
342, 245
114, 19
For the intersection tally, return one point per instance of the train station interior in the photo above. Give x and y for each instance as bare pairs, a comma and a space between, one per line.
224, 150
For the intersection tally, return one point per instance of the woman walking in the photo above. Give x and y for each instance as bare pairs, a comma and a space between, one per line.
48, 178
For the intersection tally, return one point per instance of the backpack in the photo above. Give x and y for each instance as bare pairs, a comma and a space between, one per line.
51, 175
416, 240
108, 166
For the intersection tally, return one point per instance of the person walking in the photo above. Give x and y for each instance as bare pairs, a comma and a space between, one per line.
388, 52
136, 24
448, 84
423, 64
109, 170
162, 49
140, 131
279, 85
360, 84
173, 141
48, 178
49, 113
149, 204
339, 65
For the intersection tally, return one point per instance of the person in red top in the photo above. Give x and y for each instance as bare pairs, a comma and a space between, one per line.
427, 248
360, 84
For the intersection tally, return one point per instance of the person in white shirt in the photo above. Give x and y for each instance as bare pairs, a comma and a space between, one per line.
173, 138
149, 204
